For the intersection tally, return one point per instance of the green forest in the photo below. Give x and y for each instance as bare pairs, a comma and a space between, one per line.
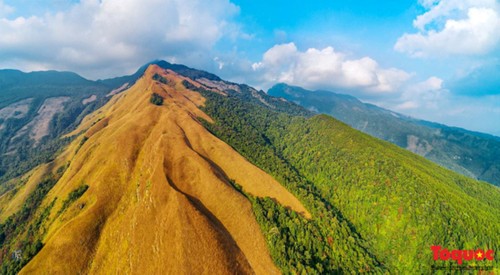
469, 153
376, 207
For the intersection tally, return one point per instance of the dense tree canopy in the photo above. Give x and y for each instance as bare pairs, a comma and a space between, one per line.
375, 206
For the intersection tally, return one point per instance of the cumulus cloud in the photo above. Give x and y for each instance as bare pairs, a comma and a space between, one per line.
464, 27
327, 69
114, 34
423, 95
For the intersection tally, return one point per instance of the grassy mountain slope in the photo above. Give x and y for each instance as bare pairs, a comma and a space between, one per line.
209, 175
469, 153
159, 196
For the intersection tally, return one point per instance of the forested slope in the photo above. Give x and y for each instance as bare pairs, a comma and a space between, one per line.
375, 206
473, 154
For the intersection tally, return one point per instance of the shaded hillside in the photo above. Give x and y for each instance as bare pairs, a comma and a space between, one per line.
473, 154
185, 173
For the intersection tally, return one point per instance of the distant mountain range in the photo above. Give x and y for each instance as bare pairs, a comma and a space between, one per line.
470, 153
173, 170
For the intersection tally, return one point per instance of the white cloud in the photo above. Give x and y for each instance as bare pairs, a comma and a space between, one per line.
444, 9
5, 9
115, 34
464, 27
423, 95
327, 69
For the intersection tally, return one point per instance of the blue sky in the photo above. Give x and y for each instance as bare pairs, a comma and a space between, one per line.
433, 59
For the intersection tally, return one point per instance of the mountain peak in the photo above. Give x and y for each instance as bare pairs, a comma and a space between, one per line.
186, 71
162, 180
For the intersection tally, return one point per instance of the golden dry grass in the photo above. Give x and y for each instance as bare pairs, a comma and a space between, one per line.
159, 201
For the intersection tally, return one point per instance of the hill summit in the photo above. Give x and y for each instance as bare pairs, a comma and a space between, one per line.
159, 195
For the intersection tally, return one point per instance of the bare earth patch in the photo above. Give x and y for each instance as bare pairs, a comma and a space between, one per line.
16, 110
421, 147
220, 85
91, 99
118, 90
39, 126
259, 97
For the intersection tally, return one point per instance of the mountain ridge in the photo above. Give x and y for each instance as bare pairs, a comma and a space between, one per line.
471, 153
163, 129
221, 177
